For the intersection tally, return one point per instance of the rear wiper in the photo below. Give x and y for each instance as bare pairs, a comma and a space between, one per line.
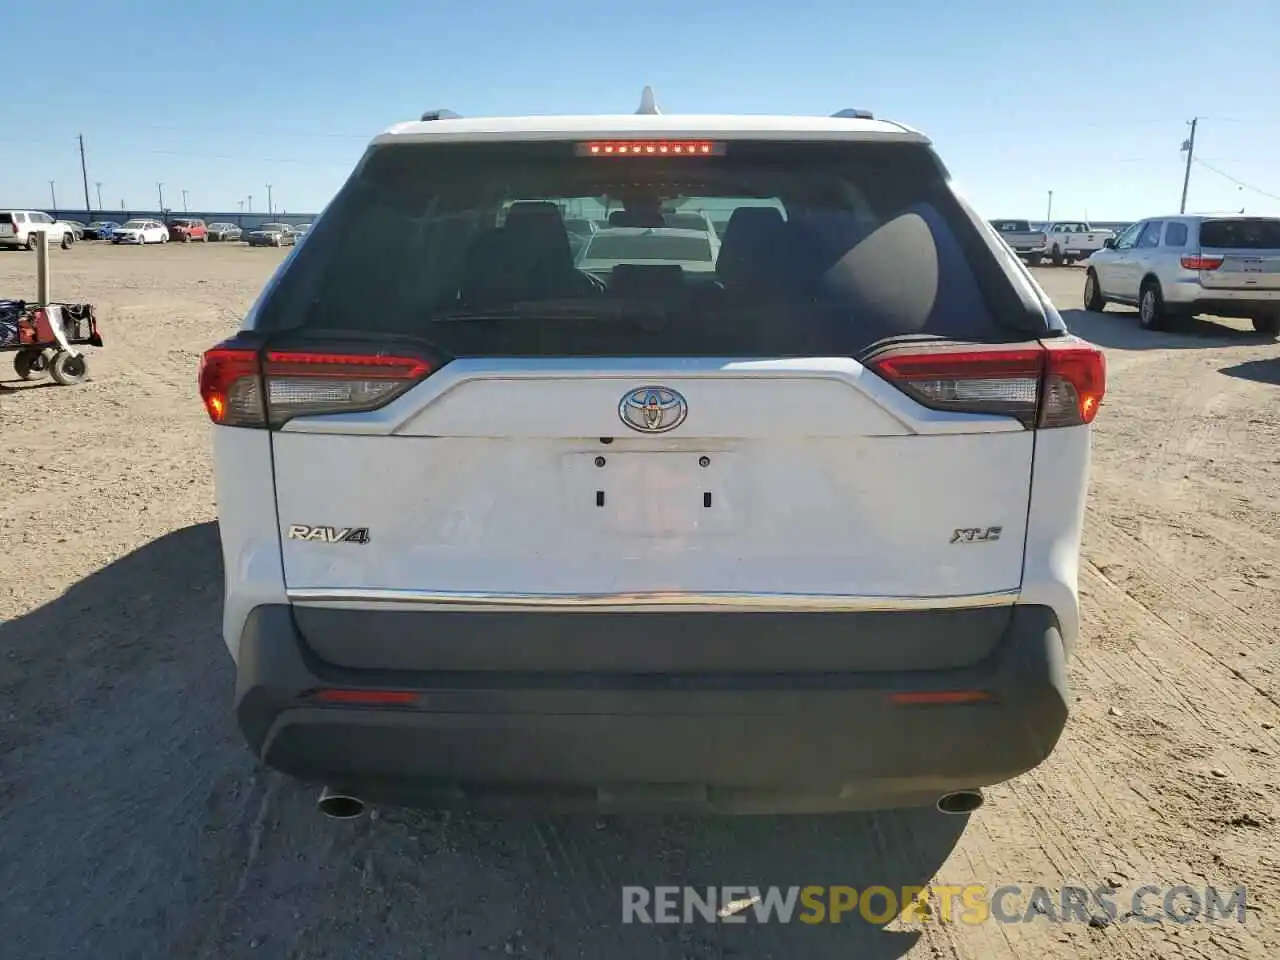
606, 311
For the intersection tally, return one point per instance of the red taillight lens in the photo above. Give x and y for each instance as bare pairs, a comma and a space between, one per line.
241, 387
1075, 381
1040, 386
230, 387
1201, 263
650, 148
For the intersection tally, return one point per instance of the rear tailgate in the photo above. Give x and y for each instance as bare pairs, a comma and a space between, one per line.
7, 227
787, 478
1249, 249
837, 421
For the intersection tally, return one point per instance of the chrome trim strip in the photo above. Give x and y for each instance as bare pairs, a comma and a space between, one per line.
641, 602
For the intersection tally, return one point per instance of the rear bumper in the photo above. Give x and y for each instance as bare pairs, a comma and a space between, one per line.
730, 741
1191, 296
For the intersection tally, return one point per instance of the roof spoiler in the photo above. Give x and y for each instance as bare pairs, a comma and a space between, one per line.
441, 115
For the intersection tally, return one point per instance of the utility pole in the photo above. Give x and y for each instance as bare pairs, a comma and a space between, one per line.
251, 204
98, 184
184, 201
269, 208
240, 219
1049, 213
1188, 145
84, 172
53, 197
160, 192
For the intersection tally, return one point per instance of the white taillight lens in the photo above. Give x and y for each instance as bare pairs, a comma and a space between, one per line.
1054, 385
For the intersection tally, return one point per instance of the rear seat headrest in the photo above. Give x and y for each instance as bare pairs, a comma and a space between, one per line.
754, 238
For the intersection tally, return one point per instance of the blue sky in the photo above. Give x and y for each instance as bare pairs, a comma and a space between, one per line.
1089, 100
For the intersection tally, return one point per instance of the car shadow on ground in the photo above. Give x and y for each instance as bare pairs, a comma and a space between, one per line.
1118, 328
135, 823
1259, 371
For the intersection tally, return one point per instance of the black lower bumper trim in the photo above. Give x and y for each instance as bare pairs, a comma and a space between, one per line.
738, 741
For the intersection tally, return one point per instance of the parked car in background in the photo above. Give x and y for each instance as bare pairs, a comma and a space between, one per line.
101, 230
188, 230
141, 231
224, 232
690, 221
19, 228
1027, 243
694, 251
77, 228
1170, 267
272, 235
1070, 240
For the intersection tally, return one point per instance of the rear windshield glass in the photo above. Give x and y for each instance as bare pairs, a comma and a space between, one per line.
826, 249
1012, 226
6, 218
1260, 234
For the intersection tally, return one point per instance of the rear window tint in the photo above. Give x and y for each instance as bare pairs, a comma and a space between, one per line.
826, 249
1175, 235
1012, 226
6, 218
1259, 234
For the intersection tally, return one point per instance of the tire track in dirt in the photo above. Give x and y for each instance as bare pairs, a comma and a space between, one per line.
1149, 581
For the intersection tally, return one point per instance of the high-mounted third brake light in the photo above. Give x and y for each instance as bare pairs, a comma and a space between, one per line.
243, 387
650, 148
1058, 384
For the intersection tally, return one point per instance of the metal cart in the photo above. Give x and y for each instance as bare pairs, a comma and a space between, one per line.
45, 339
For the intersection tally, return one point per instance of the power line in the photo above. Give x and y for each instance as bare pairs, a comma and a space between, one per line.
1237, 182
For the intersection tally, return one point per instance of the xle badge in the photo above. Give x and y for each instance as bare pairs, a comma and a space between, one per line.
976, 534
299, 531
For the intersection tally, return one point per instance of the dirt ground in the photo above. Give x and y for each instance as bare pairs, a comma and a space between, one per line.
133, 822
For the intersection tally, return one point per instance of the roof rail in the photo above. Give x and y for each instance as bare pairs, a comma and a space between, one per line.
441, 115
852, 113
648, 103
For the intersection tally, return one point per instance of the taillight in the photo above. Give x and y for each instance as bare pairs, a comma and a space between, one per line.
1054, 385
230, 386
242, 387
1201, 263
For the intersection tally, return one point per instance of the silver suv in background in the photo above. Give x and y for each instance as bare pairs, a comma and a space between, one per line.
1186, 265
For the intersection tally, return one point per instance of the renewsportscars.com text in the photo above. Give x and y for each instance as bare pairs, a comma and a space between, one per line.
971, 904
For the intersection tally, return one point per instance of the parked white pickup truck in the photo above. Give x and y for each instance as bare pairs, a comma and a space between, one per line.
1027, 243
1067, 241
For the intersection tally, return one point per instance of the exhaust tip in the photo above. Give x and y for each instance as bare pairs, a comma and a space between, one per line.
960, 802
339, 806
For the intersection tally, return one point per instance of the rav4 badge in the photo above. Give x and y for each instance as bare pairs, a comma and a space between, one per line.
300, 531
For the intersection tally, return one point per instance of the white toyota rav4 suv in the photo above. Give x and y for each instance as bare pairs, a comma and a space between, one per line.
799, 533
